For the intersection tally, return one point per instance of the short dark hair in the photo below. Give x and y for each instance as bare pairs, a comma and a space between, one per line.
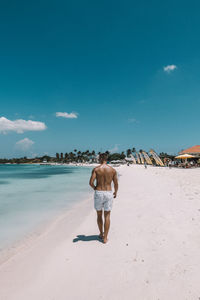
103, 156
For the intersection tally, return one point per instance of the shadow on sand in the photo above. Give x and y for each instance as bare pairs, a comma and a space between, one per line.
87, 238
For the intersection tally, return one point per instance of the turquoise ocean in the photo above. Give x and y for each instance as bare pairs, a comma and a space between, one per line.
33, 194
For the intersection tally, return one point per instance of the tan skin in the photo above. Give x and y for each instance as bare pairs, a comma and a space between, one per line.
104, 176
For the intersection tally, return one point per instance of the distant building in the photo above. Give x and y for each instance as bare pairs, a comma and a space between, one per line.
195, 150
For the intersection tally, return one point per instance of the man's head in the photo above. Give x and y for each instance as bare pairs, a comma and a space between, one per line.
103, 157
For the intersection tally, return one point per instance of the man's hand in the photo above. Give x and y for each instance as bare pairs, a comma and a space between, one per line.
115, 194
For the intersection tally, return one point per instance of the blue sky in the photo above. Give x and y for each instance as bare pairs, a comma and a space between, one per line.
103, 61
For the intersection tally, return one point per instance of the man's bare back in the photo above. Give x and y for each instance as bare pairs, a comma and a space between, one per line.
104, 176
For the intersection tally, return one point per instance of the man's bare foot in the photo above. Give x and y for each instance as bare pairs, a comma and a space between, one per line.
105, 240
101, 236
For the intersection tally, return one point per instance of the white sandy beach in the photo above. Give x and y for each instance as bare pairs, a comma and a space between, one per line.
152, 253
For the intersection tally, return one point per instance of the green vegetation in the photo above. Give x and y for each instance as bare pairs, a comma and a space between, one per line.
165, 155
77, 156
25, 160
116, 156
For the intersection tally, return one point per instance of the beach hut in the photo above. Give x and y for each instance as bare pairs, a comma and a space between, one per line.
195, 150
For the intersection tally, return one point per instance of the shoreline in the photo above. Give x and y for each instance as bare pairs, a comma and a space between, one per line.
30, 202
40, 230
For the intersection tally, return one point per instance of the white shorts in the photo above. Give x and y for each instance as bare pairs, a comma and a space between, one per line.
103, 200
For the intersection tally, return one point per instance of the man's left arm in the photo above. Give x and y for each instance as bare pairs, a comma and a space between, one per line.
92, 179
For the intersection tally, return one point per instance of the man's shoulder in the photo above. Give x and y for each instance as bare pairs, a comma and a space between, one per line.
108, 167
96, 168
114, 171
111, 169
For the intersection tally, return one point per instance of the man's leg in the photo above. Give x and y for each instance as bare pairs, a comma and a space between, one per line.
106, 225
100, 222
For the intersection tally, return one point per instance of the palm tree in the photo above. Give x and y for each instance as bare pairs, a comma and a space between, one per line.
122, 155
133, 150
86, 155
93, 154
71, 156
66, 156
79, 156
128, 152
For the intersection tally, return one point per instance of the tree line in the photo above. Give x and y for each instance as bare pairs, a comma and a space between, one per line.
77, 156
85, 156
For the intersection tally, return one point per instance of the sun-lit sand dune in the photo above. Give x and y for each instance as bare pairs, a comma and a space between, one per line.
152, 253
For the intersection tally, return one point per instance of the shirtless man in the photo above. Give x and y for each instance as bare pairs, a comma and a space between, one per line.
103, 196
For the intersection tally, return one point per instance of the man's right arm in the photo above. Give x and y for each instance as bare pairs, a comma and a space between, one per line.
115, 181
92, 179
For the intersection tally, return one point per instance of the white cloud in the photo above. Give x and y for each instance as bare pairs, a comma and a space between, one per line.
24, 144
20, 125
169, 68
114, 149
66, 115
